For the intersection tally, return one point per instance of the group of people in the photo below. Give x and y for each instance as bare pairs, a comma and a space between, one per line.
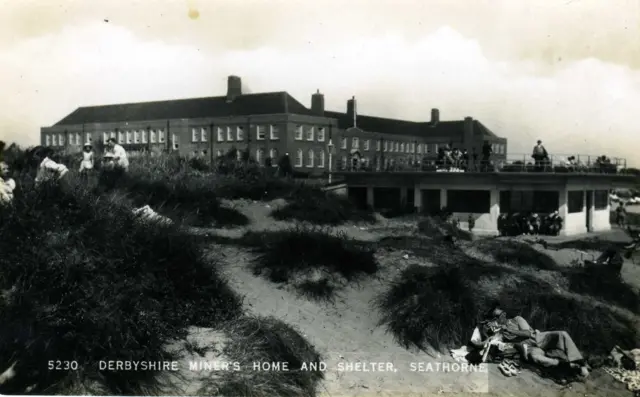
529, 223
457, 159
115, 158
498, 335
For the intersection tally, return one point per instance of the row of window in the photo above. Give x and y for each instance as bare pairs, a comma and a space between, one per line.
405, 147
137, 136
59, 139
236, 133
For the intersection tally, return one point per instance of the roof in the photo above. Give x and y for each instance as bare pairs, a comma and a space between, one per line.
243, 105
404, 127
256, 104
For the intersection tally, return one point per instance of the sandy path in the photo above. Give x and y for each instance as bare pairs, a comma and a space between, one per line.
347, 331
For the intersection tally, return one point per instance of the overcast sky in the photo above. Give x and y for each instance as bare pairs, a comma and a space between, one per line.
564, 71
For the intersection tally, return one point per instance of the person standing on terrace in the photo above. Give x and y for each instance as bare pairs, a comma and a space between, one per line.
539, 155
487, 151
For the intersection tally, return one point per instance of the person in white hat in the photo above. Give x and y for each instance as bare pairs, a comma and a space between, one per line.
87, 159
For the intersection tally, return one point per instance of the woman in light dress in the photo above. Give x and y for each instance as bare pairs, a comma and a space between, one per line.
87, 158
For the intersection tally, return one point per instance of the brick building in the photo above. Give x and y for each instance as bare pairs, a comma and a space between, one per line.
268, 125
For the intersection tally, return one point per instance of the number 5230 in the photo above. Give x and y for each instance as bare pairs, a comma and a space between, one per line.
58, 365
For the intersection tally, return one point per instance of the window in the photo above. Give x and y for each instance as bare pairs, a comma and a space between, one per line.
87, 137
355, 143
194, 135
419, 148
575, 201
219, 153
113, 134
78, 138
274, 133
128, 134
321, 134
469, 201
260, 156
72, 139
47, 140
402, 147
152, 136
120, 137
397, 147
273, 154
310, 133
105, 137
299, 159
229, 134
136, 136
343, 162
386, 146
298, 135
539, 201
320, 158
260, 133
240, 134
203, 134
160, 136
61, 139
413, 147
343, 143
54, 140
367, 144
220, 133
144, 136
600, 199
310, 158
175, 142
378, 146
239, 155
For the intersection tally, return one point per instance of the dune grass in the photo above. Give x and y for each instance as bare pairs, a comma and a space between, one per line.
311, 204
266, 340
313, 259
85, 281
439, 306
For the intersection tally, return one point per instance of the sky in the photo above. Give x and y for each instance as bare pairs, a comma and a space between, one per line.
563, 71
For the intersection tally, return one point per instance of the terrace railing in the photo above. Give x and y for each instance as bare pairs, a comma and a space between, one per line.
591, 164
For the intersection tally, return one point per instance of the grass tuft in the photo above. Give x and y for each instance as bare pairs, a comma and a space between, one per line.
310, 253
267, 340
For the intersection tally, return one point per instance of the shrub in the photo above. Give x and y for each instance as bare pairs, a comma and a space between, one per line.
429, 306
267, 340
87, 282
311, 204
303, 251
184, 197
516, 253
440, 307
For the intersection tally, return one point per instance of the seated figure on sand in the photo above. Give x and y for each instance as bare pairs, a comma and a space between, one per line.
543, 348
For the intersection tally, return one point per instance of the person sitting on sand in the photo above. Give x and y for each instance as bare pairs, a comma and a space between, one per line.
548, 349
7, 184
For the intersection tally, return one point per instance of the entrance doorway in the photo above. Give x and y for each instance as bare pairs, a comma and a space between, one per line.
431, 201
588, 212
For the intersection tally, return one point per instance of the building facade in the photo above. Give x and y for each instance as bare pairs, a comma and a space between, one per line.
268, 125
581, 199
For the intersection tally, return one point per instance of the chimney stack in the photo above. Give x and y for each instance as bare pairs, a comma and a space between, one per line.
435, 117
351, 110
234, 88
317, 103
